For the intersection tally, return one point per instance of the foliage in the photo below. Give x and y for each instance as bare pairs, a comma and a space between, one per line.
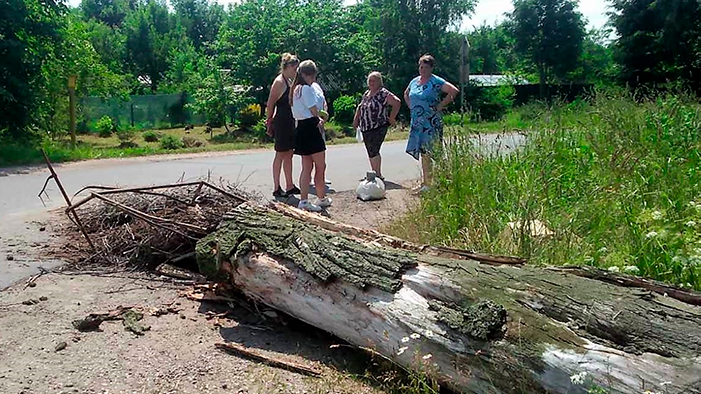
659, 41
249, 116
170, 142
596, 65
490, 103
550, 34
344, 109
260, 131
28, 30
616, 181
215, 97
201, 20
105, 127
151, 136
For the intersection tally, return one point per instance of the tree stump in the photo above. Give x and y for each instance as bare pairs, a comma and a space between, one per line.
474, 327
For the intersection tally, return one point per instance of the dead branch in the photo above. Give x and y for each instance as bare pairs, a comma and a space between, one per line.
241, 350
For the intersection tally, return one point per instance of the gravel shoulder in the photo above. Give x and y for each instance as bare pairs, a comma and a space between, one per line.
177, 355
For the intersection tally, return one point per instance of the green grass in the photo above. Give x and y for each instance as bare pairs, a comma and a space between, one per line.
617, 181
92, 146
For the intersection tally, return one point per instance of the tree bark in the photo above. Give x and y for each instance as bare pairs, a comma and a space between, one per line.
474, 327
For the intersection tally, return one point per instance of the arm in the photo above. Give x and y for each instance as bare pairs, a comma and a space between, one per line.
356, 117
451, 91
394, 102
276, 91
406, 97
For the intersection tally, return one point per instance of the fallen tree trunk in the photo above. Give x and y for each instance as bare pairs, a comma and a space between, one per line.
474, 327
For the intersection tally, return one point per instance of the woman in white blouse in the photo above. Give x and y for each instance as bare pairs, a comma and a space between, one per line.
307, 104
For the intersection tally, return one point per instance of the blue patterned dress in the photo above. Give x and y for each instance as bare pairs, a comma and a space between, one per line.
426, 122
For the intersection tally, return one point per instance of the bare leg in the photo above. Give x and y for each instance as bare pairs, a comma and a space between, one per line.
287, 169
376, 164
305, 177
427, 169
319, 160
277, 167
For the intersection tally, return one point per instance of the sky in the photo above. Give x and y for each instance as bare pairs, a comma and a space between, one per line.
492, 11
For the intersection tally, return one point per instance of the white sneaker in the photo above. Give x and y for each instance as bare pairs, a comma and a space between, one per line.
324, 202
326, 181
309, 206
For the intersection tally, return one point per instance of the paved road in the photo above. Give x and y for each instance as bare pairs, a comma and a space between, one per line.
20, 206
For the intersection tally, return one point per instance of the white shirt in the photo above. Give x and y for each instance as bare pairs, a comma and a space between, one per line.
301, 103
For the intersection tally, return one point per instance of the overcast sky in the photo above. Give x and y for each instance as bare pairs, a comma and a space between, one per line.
492, 11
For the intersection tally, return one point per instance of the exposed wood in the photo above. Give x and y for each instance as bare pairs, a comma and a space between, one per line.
476, 328
243, 351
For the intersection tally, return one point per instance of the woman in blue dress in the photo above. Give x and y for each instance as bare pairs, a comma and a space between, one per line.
423, 96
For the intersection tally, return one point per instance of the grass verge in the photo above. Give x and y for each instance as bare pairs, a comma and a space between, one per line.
614, 182
93, 147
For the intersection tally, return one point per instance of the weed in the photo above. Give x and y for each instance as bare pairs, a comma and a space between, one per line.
615, 180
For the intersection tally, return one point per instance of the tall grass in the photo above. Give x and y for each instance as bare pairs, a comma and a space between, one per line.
617, 181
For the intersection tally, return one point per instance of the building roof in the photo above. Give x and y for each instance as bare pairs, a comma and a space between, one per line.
497, 80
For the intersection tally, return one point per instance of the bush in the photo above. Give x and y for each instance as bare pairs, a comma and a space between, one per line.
455, 119
249, 116
151, 136
344, 109
105, 127
127, 135
171, 142
490, 103
260, 131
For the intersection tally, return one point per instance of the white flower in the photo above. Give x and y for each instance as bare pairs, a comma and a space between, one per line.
426, 357
665, 383
657, 215
631, 269
690, 223
405, 339
428, 334
651, 392
679, 260
651, 234
578, 378
603, 250
614, 269
402, 350
694, 260
415, 336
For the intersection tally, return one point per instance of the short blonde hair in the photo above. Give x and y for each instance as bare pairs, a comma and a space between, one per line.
377, 75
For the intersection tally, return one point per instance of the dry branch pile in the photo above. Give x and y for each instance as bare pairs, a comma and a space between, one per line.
140, 228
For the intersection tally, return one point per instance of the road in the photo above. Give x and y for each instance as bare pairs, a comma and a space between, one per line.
21, 209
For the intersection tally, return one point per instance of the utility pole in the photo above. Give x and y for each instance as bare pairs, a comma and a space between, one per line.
464, 74
72, 80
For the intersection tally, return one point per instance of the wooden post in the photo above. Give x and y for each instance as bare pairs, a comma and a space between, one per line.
72, 79
464, 74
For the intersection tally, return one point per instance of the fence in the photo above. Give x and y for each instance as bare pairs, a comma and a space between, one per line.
139, 112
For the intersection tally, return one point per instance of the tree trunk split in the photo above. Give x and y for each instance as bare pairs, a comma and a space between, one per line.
474, 327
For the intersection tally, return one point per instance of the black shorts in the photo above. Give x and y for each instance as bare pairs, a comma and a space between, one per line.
284, 133
373, 140
308, 138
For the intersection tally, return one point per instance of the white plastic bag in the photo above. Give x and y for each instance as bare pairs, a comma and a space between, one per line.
358, 134
371, 188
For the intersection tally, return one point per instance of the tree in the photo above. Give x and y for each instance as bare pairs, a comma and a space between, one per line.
151, 36
550, 33
659, 41
28, 31
492, 50
201, 20
73, 54
408, 29
596, 65
109, 12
